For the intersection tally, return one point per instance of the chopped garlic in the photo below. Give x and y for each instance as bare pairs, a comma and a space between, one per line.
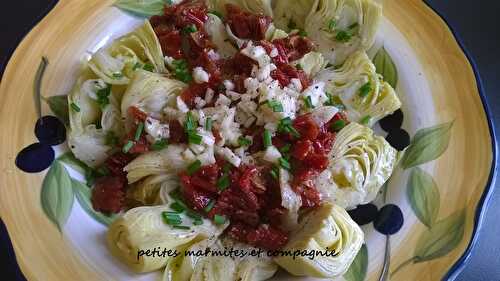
200, 75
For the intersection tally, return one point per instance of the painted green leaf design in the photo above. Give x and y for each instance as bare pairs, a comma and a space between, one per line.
83, 194
357, 270
386, 67
427, 145
57, 194
441, 238
59, 105
423, 195
143, 8
69, 159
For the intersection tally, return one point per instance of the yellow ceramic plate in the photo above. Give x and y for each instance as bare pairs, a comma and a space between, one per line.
441, 184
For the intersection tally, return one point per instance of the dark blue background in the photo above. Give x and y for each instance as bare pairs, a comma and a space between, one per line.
476, 23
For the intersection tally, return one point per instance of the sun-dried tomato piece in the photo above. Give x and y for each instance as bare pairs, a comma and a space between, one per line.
116, 162
108, 194
177, 134
246, 25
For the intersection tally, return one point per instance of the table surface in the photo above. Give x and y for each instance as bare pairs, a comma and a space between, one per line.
476, 26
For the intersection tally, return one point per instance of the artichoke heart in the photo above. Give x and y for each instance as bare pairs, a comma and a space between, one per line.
143, 229
116, 64
360, 163
88, 142
328, 230
341, 27
214, 267
151, 92
362, 91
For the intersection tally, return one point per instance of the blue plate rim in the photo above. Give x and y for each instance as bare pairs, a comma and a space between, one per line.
485, 199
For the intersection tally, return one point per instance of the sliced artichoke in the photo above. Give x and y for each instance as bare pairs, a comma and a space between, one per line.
143, 229
117, 63
360, 163
341, 27
328, 229
151, 92
289, 15
88, 142
219, 268
252, 6
169, 160
217, 31
147, 191
312, 63
366, 97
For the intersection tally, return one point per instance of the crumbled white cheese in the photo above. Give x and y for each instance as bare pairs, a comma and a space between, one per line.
295, 85
222, 100
169, 60
206, 136
317, 93
234, 96
199, 102
155, 129
272, 154
181, 105
229, 130
265, 72
213, 55
257, 53
228, 155
274, 53
90, 87
228, 84
200, 75
323, 114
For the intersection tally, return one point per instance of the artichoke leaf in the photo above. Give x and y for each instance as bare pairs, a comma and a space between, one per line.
216, 29
151, 92
341, 27
366, 97
117, 63
359, 164
312, 63
327, 228
169, 160
218, 267
143, 228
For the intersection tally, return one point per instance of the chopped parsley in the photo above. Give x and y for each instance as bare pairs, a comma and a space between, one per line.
343, 36
308, 102
332, 24
338, 125
138, 131
75, 107
218, 219
209, 206
194, 138
178, 206
126, 148
285, 126
223, 182
148, 67
242, 141
365, 120
103, 96
159, 144
268, 141
276, 106
285, 164
208, 124
365, 89
181, 71
193, 167
189, 29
